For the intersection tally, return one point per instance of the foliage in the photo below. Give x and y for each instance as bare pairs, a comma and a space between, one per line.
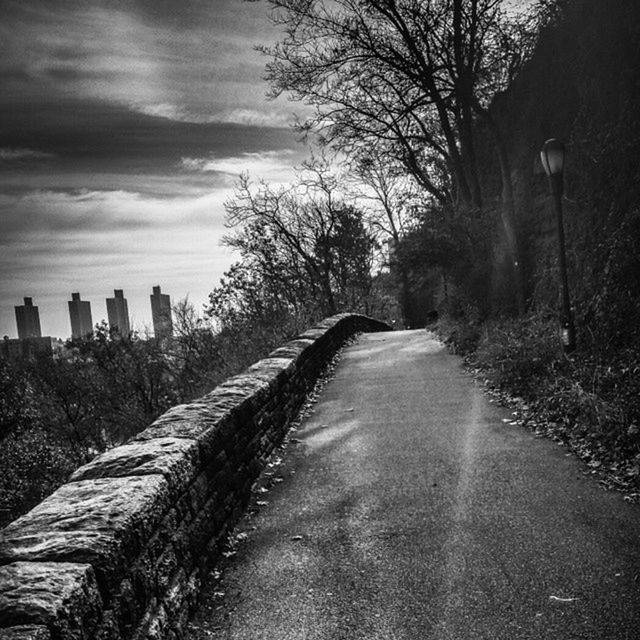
32, 465
590, 401
18, 408
515, 355
304, 253
112, 383
196, 357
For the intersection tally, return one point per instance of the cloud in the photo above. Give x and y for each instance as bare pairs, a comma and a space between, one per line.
266, 118
255, 118
8, 155
264, 164
193, 63
104, 214
90, 137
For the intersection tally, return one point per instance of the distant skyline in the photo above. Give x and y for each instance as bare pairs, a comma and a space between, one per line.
123, 128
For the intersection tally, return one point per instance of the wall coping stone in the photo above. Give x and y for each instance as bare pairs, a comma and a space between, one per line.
61, 594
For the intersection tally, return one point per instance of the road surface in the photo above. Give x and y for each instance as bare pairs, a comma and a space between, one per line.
408, 508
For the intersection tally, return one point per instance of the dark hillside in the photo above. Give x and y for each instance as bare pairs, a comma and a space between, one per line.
583, 87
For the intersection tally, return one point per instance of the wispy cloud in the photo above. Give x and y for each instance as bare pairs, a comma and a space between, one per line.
8, 155
265, 164
197, 63
268, 117
105, 213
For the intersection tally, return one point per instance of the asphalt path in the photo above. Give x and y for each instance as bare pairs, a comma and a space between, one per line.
407, 507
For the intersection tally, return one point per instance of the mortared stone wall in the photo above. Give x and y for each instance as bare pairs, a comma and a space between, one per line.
120, 551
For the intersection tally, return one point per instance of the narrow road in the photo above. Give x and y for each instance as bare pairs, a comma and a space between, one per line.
408, 508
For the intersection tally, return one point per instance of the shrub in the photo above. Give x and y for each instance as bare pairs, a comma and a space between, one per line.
515, 355
460, 334
591, 401
32, 465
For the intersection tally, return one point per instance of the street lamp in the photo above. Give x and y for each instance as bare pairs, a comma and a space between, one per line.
552, 156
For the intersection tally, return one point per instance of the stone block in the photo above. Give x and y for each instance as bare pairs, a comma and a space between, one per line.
61, 596
202, 421
165, 568
108, 629
176, 594
199, 492
103, 522
174, 458
233, 399
196, 411
288, 353
127, 608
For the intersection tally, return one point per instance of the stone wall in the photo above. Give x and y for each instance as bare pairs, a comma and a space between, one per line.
120, 551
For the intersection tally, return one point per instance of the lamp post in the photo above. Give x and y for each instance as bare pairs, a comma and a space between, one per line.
552, 156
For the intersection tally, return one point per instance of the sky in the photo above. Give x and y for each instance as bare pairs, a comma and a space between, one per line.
123, 128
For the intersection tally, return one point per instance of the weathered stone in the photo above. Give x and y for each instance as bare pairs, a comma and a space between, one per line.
174, 458
62, 596
176, 594
198, 493
165, 568
25, 632
211, 437
108, 629
127, 608
154, 624
103, 522
275, 365
198, 410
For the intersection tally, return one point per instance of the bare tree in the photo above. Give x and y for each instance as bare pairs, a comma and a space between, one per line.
408, 78
301, 246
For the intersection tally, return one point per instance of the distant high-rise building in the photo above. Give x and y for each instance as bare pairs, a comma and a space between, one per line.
118, 313
28, 320
161, 313
80, 314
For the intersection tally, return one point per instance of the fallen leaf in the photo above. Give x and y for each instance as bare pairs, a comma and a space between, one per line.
559, 599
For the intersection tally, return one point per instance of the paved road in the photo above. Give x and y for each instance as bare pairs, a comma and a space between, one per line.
410, 510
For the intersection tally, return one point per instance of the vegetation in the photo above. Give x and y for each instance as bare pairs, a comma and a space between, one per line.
590, 401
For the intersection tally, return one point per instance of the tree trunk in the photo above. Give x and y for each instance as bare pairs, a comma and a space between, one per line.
508, 212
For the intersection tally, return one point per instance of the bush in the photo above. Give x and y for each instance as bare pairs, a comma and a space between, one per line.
461, 335
590, 401
515, 355
32, 465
